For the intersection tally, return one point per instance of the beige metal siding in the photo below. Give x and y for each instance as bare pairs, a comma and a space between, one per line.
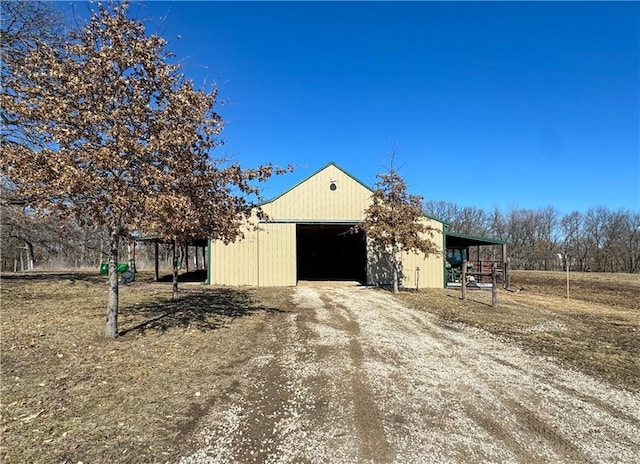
313, 200
431, 268
235, 264
431, 275
267, 256
276, 255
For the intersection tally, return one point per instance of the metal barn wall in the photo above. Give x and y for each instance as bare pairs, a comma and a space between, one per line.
431, 268
431, 274
267, 256
234, 264
276, 245
313, 200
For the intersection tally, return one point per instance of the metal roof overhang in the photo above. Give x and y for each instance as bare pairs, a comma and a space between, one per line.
459, 240
199, 242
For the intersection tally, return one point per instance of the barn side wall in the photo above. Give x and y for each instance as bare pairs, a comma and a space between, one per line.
431, 275
235, 264
265, 257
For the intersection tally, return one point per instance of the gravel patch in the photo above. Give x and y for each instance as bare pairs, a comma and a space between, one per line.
353, 375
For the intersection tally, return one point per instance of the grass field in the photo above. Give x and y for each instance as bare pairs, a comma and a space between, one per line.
69, 394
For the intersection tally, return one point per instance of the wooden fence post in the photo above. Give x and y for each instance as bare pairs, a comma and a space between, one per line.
505, 274
463, 280
494, 285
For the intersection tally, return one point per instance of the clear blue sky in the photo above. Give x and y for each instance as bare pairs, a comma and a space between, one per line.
485, 103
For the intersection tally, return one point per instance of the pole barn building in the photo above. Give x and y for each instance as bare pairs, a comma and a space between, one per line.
308, 235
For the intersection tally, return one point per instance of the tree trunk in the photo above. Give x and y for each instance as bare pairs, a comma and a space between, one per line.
174, 294
28, 246
131, 249
111, 329
394, 260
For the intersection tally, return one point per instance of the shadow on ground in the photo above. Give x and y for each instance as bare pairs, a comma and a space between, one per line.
204, 310
474, 300
44, 276
191, 276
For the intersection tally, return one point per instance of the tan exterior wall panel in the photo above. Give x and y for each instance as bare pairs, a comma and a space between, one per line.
235, 264
431, 273
313, 200
276, 255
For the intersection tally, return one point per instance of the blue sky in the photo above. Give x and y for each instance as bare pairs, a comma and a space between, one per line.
486, 104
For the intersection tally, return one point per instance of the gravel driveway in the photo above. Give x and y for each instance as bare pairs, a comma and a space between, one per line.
354, 376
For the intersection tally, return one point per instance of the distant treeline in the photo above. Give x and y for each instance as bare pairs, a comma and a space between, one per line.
598, 240
29, 241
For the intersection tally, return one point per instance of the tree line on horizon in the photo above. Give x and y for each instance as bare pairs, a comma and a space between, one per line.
597, 240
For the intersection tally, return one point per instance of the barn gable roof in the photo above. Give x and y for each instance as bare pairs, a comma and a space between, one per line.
331, 163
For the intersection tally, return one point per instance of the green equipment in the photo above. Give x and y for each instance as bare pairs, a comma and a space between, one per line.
122, 267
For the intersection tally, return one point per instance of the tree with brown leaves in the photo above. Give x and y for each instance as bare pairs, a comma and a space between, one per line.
394, 222
23, 26
125, 140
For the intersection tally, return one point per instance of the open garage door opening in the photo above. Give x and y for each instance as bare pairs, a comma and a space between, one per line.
331, 252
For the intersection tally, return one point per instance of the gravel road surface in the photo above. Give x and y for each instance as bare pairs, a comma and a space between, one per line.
353, 376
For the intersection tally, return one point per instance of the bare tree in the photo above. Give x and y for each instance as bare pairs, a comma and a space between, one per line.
631, 242
573, 245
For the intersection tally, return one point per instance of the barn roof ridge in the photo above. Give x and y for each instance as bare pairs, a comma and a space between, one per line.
330, 163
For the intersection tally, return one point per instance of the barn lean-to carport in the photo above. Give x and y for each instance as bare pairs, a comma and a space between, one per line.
462, 248
330, 252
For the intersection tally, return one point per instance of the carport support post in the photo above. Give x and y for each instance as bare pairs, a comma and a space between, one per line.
494, 285
463, 283
156, 263
505, 267
132, 254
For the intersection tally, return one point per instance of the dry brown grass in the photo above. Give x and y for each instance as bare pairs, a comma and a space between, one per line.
71, 395
596, 331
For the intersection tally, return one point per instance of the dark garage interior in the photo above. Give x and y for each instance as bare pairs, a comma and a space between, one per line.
331, 252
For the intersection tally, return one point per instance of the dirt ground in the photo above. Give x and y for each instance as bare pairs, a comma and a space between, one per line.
352, 374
